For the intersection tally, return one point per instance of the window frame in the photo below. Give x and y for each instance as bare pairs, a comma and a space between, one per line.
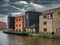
45, 29
45, 22
44, 16
49, 16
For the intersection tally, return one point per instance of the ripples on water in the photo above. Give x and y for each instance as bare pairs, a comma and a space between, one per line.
6, 39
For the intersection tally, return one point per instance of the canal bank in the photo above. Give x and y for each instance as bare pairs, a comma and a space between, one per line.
42, 35
55, 36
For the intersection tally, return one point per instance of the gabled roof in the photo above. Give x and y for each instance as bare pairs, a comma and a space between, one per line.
51, 10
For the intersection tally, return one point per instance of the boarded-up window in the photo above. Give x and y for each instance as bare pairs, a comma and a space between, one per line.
44, 16
45, 23
45, 29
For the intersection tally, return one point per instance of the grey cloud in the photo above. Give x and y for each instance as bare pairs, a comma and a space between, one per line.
15, 6
12, 6
39, 1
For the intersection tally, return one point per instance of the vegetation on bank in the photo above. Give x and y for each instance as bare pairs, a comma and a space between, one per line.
43, 33
58, 33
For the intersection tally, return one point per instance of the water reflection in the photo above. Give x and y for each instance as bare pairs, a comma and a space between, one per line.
6, 39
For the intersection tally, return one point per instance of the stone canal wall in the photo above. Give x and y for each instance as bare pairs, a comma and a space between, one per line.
46, 35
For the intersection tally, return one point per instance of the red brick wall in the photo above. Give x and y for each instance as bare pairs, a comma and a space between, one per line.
2, 25
19, 25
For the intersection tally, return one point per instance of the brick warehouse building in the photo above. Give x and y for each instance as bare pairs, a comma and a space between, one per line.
3, 25
49, 21
11, 22
20, 23
32, 21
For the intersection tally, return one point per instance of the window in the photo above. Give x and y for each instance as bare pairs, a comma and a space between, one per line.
45, 29
19, 19
19, 25
45, 23
19, 30
59, 29
16, 25
16, 29
59, 13
44, 16
49, 16
56, 30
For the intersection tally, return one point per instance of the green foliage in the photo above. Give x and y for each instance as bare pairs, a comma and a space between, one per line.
43, 33
58, 33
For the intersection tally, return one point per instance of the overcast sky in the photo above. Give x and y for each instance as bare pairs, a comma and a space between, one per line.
20, 6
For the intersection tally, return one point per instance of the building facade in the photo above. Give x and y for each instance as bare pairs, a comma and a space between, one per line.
20, 23
3, 25
49, 21
11, 22
32, 19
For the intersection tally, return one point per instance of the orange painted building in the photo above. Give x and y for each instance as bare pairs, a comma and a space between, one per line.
20, 23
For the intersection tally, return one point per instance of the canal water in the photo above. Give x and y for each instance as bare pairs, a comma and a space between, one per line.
7, 39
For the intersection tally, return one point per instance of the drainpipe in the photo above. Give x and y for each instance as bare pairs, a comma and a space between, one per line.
22, 23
